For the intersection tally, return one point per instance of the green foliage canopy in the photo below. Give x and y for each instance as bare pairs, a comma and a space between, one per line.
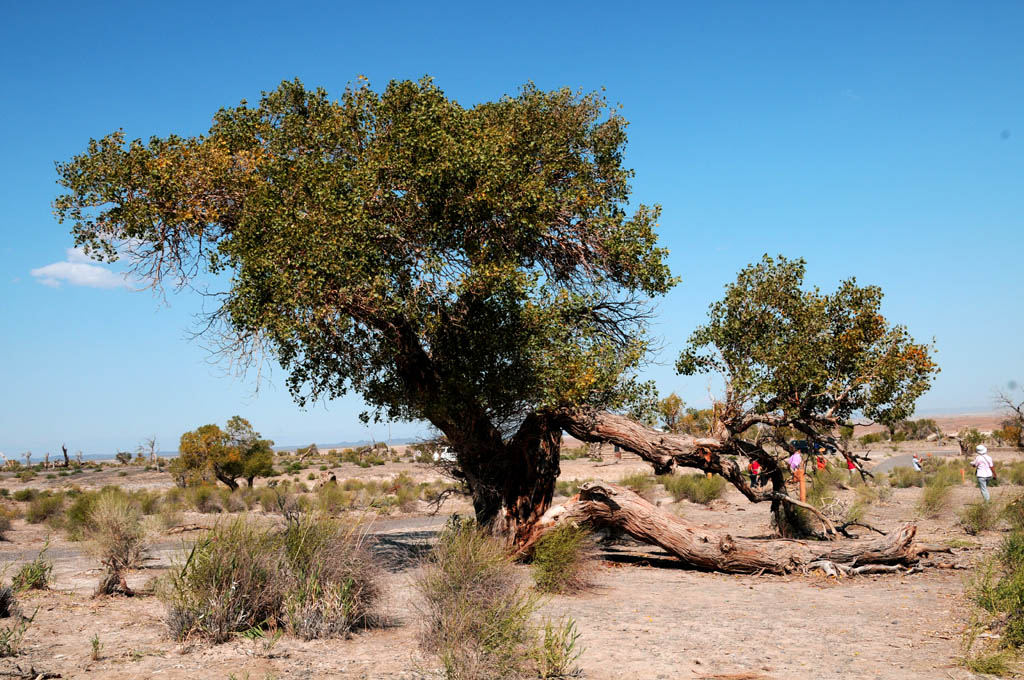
228, 454
447, 262
807, 359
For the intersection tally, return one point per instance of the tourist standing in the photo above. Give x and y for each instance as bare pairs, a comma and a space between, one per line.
986, 469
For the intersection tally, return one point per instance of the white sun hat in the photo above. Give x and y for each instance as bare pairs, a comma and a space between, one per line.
981, 449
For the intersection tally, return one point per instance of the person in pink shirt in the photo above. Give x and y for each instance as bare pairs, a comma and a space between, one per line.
797, 468
986, 469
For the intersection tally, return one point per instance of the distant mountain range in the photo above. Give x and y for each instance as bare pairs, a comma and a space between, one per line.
350, 445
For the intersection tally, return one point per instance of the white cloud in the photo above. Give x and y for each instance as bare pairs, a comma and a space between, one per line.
77, 270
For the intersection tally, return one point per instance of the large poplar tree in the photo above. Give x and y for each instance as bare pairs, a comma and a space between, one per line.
475, 267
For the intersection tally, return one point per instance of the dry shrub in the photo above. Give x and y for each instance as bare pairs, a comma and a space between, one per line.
476, 612
934, 497
227, 583
204, 498
317, 577
118, 538
6, 517
333, 581
563, 560
44, 507
639, 482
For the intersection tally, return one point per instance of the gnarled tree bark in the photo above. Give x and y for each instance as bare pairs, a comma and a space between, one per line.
666, 451
609, 505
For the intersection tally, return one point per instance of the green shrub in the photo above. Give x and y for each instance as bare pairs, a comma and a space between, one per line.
476, 616
934, 497
26, 475
116, 533
332, 582
558, 650
904, 477
204, 498
228, 582
697, 488
562, 559
569, 487
23, 495
640, 483
12, 633
44, 507
34, 575
978, 517
77, 517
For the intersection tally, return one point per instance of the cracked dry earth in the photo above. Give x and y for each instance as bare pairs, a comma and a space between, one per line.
644, 618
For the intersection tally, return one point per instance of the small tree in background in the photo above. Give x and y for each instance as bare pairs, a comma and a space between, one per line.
229, 454
1012, 430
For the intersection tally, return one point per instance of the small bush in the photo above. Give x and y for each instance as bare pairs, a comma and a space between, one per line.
117, 537
333, 583
904, 477
1013, 512
935, 497
562, 560
697, 488
978, 517
11, 635
227, 583
640, 483
23, 495
6, 517
317, 576
558, 650
77, 517
204, 498
35, 575
476, 614
43, 508
569, 487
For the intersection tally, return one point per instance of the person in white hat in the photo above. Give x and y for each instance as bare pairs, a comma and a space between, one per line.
986, 469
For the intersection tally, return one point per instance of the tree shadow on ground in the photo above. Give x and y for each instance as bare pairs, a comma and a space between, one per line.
404, 550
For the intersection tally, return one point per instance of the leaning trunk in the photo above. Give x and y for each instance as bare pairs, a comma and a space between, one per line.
512, 482
609, 505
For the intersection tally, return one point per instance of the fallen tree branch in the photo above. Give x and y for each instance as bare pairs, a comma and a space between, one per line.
609, 505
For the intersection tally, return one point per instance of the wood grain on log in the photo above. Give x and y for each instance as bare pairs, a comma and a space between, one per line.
609, 505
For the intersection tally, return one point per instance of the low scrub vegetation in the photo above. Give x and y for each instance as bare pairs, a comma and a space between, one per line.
117, 537
563, 560
978, 517
34, 575
995, 635
934, 497
477, 615
316, 576
697, 488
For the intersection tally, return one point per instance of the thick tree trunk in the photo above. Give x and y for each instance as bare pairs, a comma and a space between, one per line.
513, 482
231, 483
608, 505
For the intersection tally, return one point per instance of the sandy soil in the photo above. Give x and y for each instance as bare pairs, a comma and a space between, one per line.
644, 618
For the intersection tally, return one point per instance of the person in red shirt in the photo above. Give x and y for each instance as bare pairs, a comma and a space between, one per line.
755, 473
820, 463
850, 466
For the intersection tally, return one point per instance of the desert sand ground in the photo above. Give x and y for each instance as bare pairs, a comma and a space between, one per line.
645, 617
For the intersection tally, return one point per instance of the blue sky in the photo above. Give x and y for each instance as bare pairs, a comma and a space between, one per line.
880, 140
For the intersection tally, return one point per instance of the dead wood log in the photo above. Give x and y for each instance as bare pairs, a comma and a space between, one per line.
609, 505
